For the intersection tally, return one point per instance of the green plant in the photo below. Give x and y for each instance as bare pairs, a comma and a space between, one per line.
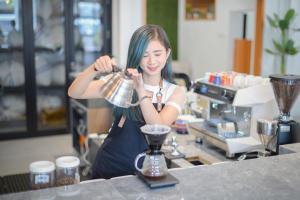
285, 45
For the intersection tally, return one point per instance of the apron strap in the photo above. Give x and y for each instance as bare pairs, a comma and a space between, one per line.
122, 121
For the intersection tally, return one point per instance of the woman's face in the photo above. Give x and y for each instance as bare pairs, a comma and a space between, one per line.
154, 58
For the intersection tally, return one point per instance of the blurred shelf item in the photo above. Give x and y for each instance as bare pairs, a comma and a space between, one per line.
53, 117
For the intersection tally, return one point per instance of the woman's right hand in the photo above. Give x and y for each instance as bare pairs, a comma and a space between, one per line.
104, 64
85, 86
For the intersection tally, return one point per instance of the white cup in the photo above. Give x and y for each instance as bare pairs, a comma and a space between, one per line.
239, 81
250, 80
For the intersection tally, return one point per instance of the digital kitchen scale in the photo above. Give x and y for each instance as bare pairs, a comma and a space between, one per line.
166, 181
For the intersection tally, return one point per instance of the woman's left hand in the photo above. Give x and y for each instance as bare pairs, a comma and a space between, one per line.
137, 80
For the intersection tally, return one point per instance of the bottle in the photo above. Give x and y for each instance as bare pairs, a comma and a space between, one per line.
42, 174
67, 170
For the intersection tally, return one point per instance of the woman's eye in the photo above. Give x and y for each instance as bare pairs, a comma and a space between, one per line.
157, 54
146, 55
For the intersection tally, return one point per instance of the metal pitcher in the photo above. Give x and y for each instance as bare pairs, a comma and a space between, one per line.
267, 131
118, 90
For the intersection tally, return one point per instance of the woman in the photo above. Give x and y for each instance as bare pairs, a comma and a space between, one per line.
149, 63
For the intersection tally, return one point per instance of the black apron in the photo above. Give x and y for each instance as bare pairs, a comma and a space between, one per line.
116, 155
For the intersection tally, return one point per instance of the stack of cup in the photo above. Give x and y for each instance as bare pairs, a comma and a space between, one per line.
220, 78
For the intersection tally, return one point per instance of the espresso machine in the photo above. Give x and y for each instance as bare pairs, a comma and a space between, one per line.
286, 89
154, 171
231, 114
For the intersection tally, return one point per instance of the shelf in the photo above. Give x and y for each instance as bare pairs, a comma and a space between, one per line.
11, 49
51, 87
52, 128
45, 49
20, 49
11, 89
21, 89
12, 126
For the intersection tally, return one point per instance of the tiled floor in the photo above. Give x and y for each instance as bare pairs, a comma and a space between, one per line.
16, 155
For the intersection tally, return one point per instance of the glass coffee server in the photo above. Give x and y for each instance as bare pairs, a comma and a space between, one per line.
42, 43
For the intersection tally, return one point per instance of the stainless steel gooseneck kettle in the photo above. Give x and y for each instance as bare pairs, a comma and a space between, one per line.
118, 90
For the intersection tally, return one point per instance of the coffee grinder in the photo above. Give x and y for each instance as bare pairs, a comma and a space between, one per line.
154, 171
286, 89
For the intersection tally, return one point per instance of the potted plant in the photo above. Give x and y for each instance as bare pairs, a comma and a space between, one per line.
285, 44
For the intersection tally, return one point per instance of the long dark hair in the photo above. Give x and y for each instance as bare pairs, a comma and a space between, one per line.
137, 47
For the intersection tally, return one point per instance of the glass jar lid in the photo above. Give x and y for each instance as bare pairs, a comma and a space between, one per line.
42, 167
67, 161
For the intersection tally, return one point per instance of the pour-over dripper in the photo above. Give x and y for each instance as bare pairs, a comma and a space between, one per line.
154, 164
155, 135
286, 89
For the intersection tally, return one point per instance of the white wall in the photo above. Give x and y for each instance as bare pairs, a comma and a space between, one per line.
127, 17
203, 45
206, 44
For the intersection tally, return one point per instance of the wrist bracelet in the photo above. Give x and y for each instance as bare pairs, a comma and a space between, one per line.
94, 68
144, 97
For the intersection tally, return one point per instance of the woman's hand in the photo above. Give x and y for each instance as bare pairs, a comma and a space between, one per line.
104, 64
138, 81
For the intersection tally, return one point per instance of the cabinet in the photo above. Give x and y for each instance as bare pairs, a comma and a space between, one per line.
89, 116
43, 42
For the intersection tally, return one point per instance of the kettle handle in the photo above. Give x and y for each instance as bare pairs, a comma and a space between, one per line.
134, 104
139, 101
137, 158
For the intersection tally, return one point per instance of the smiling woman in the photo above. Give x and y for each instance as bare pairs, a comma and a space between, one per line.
149, 58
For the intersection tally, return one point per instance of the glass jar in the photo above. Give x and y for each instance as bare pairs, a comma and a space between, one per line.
42, 174
67, 170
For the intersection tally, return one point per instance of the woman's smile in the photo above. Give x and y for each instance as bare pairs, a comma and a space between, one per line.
152, 68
